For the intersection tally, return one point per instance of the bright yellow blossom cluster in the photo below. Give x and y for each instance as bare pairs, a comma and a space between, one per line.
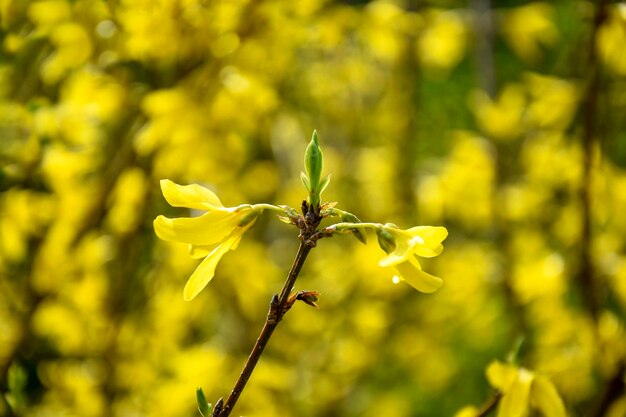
210, 235
522, 390
404, 246
220, 229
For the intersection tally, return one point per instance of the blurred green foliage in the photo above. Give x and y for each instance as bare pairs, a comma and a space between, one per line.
503, 121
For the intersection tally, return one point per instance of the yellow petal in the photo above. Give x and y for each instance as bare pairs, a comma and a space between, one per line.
206, 270
431, 240
235, 243
192, 196
210, 228
435, 234
544, 396
403, 247
501, 376
423, 241
428, 251
394, 258
412, 273
201, 251
468, 411
515, 402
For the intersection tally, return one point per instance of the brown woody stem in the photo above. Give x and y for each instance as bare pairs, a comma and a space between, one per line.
490, 405
278, 307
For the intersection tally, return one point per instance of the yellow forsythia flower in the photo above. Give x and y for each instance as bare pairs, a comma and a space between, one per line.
501, 118
404, 246
522, 389
210, 235
528, 28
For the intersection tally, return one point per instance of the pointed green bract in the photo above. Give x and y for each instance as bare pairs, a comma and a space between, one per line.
324, 183
305, 181
203, 406
359, 232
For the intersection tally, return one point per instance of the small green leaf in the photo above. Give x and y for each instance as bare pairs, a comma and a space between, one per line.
305, 181
17, 378
517, 351
203, 406
285, 219
359, 233
324, 183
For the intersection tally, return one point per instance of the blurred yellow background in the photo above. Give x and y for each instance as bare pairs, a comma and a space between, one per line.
502, 121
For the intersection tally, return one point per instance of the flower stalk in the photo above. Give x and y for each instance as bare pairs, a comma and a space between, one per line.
279, 306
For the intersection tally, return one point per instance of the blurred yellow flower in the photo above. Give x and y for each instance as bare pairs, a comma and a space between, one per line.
73, 49
47, 14
442, 44
469, 411
210, 235
500, 118
553, 101
403, 247
528, 28
522, 389
611, 38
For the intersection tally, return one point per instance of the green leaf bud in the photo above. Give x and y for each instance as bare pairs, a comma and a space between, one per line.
314, 160
203, 406
313, 164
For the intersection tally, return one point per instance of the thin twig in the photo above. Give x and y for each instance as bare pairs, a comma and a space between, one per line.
490, 405
586, 275
278, 307
613, 391
483, 32
589, 140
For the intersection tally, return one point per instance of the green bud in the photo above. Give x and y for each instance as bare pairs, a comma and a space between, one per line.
386, 240
314, 160
203, 406
313, 164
